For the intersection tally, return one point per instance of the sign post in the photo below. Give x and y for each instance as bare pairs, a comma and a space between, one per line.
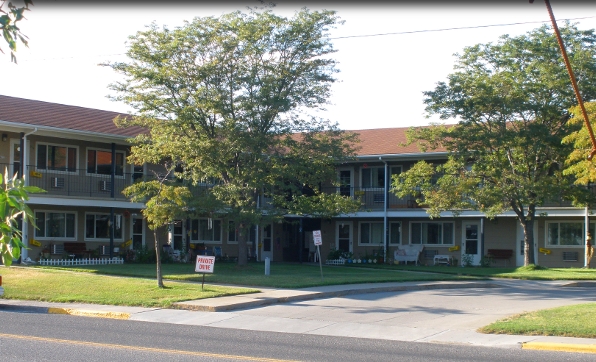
318, 240
205, 264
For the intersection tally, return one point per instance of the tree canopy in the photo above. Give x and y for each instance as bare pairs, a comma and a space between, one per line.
512, 101
8, 24
578, 165
228, 100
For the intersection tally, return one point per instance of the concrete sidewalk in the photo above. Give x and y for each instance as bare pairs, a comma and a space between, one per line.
235, 312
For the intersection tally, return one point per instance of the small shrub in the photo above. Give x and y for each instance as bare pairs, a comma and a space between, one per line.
334, 254
466, 260
531, 267
485, 262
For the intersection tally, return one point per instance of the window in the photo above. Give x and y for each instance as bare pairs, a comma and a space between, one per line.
100, 162
97, 226
432, 233
205, 230
57, 158
371, 233
233, 233
395, 233
55, 224
373, 177
566, 233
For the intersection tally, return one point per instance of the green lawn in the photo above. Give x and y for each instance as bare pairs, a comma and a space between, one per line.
282, 275
63, 286
568, 321
135, 285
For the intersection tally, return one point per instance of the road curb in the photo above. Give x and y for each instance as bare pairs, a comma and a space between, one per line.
560, 347
89, 313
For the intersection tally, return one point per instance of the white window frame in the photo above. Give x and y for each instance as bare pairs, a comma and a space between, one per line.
116, 217
46, 169
442, 223
559, 222
198, 232
57, 238
96, 174
360, 243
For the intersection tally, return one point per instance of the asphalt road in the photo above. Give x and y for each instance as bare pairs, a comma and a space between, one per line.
47, 337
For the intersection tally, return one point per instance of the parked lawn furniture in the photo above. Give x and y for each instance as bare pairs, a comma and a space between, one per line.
407, 253
443, 260
77, 250
504, 254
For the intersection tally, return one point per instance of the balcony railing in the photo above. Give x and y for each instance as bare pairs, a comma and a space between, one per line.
79, 183
374, 198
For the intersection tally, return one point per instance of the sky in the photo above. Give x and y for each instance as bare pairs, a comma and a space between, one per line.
389, 53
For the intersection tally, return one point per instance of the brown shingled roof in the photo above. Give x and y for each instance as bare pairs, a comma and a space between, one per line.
60, 116
382, 141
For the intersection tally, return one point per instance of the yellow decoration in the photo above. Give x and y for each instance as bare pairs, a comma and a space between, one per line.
34, 242
544, 251
359, 193
192, 246
35, 174
454, 248
126, 243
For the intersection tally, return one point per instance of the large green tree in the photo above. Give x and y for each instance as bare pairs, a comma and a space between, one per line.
229, 98
511, 100
9, 18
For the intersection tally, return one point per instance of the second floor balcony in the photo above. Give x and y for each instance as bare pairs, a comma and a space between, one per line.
79, 183
374, 198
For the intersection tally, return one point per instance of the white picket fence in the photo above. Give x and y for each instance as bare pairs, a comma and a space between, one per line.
340, 261
70, 262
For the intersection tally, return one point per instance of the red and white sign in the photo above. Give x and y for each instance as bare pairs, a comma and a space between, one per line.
316, 235
205, 264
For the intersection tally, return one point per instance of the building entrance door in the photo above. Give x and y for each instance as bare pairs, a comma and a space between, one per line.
471, 242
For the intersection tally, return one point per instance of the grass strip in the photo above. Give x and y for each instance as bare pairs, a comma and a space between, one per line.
532, 272
67, 287
568, 321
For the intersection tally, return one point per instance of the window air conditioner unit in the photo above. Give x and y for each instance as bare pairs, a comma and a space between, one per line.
105, 186
57, 249
57, 182
104, 250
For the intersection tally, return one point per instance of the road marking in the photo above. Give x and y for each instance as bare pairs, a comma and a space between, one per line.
144, 349
560, 347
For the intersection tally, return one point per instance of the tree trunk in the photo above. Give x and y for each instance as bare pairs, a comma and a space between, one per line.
158, 260
243, 233
528, 226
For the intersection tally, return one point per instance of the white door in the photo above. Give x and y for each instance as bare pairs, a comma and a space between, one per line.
266, 243
471, 242
519, 250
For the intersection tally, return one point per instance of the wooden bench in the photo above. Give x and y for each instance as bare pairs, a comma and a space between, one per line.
79, 250
504, 254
